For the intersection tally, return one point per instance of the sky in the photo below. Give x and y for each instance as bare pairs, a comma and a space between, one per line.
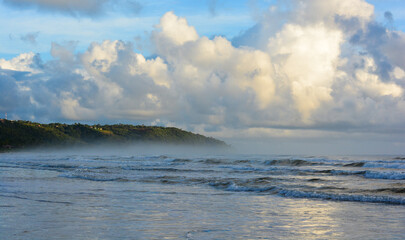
266, 76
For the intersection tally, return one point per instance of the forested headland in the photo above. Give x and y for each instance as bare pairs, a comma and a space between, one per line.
23, 134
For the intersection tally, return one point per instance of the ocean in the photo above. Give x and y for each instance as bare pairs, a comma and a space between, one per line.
200, 196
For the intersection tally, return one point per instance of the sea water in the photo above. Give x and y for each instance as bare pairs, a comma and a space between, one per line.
200, 196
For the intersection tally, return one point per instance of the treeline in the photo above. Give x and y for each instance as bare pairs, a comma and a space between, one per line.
19, 134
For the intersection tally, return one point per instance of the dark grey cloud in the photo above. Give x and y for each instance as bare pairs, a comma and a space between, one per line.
30, 38
250, 37
379, 40
9, 99
130, 7
389, 18
78, 8
212, 7
73, 7
371, 40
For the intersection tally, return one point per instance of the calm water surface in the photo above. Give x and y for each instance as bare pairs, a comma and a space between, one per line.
179, 196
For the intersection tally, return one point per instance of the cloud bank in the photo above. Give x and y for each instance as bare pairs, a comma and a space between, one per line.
320, 65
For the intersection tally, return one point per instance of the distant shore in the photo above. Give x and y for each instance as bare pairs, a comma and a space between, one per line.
18, 135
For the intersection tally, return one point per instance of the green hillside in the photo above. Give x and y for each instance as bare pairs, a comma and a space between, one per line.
21, 134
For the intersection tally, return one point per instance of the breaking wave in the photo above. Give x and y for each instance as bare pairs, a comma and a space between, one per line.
364, 180
343, 197
291, 162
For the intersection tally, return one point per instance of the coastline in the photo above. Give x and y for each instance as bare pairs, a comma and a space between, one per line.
16, 135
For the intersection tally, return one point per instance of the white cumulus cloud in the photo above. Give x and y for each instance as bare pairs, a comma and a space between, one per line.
326, 66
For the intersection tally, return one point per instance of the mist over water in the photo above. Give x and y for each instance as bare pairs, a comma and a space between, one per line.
132, 148
184, 192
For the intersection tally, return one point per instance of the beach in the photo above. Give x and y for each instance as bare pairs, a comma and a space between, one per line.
180, 196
